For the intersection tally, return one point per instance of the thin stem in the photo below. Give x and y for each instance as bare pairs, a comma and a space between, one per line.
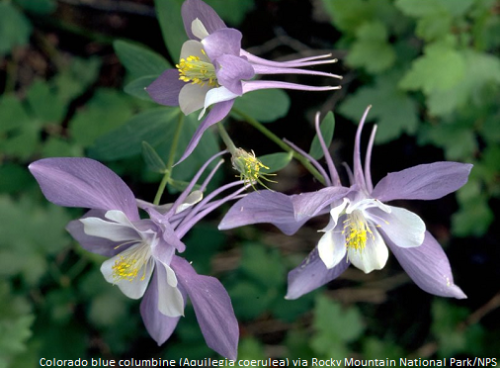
170, 162
285, 147
226, 138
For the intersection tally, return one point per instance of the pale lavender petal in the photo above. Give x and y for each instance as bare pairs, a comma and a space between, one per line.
334, 176
307, 205
264, 69
368, 158
83, 182
93, 244
249, 86
166, 88
312, 274
218, 112
192, 9
226, 41
359, 177
263, 207
427, 181
159, 326
308, 61
232, 70
428, 266
212, 306
171, 241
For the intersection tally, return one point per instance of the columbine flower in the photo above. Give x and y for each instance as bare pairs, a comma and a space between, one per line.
214, 70
361, 225
143, 261
250, 168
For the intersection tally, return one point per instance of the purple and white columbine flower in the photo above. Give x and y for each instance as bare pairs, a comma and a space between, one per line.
361, 227
142, 259
214, 70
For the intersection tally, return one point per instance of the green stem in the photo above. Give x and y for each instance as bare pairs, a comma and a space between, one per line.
170, 162
225, 137
285, 147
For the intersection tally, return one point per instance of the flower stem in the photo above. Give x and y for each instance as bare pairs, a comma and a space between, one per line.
285, 147
226, 138
170, 162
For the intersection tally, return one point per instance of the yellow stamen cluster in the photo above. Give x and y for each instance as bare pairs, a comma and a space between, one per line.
356, 231
131, 261
125, 269
249, 167
194, 70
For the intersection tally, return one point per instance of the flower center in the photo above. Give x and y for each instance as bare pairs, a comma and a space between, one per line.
249, 167
356, 231
130, 262
194, 70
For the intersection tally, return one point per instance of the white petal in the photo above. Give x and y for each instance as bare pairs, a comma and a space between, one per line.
134, 289
216, 95
199, 29
335, 212
193, 48
94, 226
118, 217
170, 300
331, 248
192, 97
193, 198
366, 203
373, 257
403, 227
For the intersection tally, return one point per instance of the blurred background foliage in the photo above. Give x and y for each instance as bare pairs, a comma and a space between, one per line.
72, 74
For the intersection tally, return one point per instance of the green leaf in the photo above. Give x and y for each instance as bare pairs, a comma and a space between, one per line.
348, 16
327, 127
107, 110
394, 111
107, 308
12, 113
433, 27
419, 8
474, 216
139, 60
262, 265
15, 28
232, 11
15, 325
137, 87
168, 13
440, 69
153, 126
334, 327
152, 159
265, 105
371, 40
75, 77
445, 320
15, 178
457, 139
41, 7
56, 147
275, 161
481, 76
45, 102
